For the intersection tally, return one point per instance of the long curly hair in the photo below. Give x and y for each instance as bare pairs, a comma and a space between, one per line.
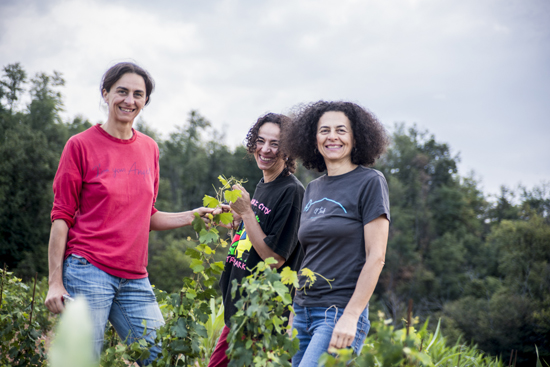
300, 137
252, 137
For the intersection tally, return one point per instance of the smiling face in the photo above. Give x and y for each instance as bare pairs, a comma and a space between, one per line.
335, 137
126, 98
267, 147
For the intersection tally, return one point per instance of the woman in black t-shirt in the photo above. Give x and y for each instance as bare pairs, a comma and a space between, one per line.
269, 226
343, 228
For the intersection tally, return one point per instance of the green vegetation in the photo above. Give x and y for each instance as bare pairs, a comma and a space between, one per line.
24, 322
482, 266
479, 265
386, 346
258, 336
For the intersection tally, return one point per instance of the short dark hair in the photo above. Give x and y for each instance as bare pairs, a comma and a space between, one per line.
252, 138
300, 137
116, 72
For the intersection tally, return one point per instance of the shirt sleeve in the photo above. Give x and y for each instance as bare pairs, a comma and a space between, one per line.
283, 237
156, 183
374, 200
67, 184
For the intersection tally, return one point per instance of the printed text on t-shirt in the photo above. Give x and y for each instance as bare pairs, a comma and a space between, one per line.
322, 210
117, 171
260, 206
239, 264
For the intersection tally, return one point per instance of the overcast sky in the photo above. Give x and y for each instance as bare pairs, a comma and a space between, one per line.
474, 73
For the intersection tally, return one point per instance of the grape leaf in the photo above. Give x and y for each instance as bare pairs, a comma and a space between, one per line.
223, 181
210, 202
198, 223
208, 236
232, 195
225, 218
289, 276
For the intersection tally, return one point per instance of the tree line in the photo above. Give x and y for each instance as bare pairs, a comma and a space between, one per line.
480, 263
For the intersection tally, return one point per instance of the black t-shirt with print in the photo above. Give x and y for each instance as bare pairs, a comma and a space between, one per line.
277, 205
336, 209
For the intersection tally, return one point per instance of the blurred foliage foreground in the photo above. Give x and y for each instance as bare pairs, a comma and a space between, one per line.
479, 263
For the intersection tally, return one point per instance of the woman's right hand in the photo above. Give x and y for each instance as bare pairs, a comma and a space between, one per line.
202, 211
224, 208
54, 298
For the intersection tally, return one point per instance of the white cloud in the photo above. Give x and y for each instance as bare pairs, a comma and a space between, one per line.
466, 70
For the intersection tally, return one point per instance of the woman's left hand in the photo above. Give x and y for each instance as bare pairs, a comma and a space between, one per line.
242, 204
344, 332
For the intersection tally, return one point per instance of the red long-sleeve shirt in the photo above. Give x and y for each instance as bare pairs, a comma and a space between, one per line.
105, 189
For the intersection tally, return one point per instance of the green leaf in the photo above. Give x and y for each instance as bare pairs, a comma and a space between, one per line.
210, 202
217, 267
209, 282
280, 288
198, 269
450, 356
208, 236
223, 181
180, 328
195, 262
435, 336
538, 358
201, 331
196, 265
289, 276
198, 223
232, 195
192, 253
225, 218
191, 294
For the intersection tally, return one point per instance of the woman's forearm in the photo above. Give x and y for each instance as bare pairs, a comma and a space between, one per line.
376, 239
56, 251
162, 221
256, 236
365, 285
56, 254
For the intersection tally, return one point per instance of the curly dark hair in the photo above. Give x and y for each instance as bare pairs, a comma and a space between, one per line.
300, 137
252, 137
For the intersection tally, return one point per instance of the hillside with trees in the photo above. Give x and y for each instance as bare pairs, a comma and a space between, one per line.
479, 263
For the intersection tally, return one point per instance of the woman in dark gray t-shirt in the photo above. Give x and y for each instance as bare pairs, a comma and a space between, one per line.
343, 228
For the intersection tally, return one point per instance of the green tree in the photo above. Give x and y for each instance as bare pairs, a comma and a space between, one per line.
14, 78
510, 310
32, 142
504, 207
31, 146
437, 219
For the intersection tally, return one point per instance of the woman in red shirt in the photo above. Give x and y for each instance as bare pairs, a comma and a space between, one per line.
104, 207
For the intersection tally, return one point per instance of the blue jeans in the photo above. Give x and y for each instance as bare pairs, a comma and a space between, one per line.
124, 302
315, 325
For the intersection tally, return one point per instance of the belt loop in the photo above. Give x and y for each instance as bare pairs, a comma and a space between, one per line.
335, 315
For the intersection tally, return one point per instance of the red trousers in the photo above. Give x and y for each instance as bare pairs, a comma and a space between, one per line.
219, 358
